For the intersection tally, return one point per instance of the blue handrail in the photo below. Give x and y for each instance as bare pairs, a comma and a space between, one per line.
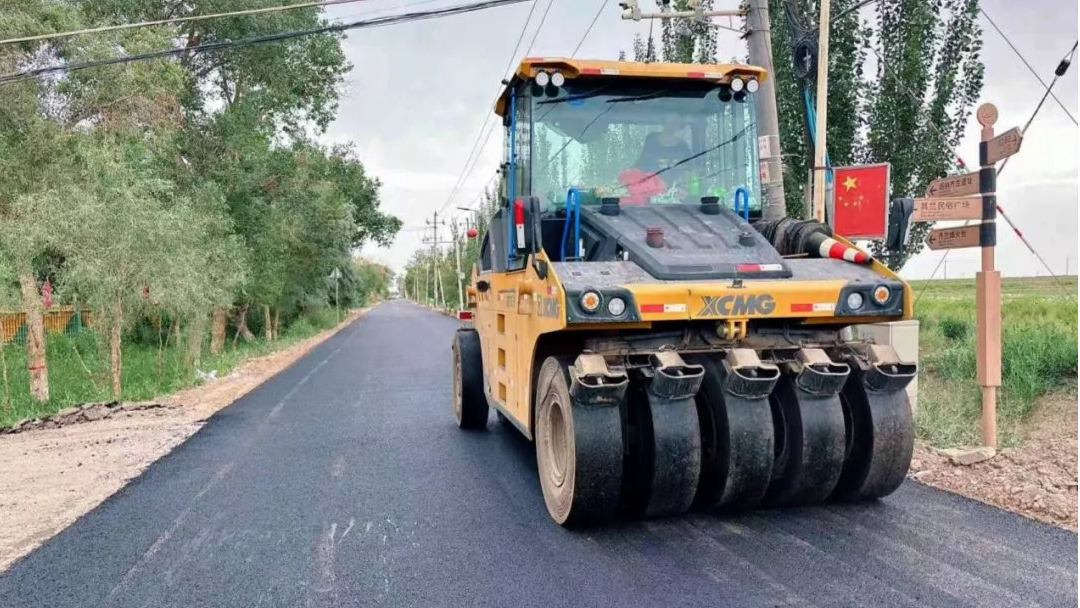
510, 192
746, 202
573, 209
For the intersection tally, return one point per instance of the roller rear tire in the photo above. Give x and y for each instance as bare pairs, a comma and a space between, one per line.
810, 446
579, 450
737, 441
880, 442
470, 403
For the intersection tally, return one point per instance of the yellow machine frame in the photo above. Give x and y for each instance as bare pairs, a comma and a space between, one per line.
517, 307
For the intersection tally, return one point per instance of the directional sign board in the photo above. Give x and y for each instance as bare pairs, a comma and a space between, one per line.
938, 209
955, 238
1002, 146
955, 185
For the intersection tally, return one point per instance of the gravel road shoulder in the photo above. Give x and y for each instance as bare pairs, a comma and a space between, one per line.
1037, 479
49, 477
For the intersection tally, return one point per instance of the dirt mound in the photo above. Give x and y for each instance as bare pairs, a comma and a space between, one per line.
1037, 480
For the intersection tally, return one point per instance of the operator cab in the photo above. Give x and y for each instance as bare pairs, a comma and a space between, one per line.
590, 144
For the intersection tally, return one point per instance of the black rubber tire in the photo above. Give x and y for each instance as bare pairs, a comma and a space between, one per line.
470, 403
880, 442
579, 450
810, 445
663, 456
676, 465
737, 443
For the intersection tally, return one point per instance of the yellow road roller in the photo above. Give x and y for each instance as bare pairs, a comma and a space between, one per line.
663, 346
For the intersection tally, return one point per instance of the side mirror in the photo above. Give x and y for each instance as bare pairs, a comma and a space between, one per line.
900, 210
482, 286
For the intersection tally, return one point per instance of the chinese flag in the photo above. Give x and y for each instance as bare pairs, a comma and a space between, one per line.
860, 200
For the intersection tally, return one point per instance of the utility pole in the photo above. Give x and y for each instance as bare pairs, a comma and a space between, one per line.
759, 43
759, 46
457, 263
821, 112
438, 290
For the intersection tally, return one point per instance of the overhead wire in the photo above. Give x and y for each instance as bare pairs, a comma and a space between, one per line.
481, 134
173, 20
491, 128
280, 36
603, 5
1027, 64
577, 48
1062, 67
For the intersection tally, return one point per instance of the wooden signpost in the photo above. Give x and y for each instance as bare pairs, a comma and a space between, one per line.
943, 209
1001, 147
955, 238
951, 198
955, 185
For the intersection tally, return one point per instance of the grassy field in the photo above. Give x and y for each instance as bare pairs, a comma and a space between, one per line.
79, 368
1039, 354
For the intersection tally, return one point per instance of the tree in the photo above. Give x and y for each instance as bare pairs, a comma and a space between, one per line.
38, 123
133, 244
926, 74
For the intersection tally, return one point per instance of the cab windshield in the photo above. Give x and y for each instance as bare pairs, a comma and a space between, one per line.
655, 143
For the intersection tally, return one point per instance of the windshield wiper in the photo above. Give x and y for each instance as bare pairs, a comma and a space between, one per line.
593, 93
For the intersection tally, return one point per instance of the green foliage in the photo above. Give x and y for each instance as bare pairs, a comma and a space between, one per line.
79, 363
901, 89
954, 328
171, 187
1039, 355
687, 40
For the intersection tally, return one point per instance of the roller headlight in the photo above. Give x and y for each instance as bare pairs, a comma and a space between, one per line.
881, 294
590, 301
737, 84
855, 301
558, 79
616, 306
752, 86
542, 78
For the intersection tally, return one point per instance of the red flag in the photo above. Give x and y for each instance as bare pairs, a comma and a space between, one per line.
860, 201
46, 293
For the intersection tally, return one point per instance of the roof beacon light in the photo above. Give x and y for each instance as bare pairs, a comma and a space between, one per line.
558, 79
752, 86
737, 84
542, 78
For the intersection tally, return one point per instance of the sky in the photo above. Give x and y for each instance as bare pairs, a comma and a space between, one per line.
418, 94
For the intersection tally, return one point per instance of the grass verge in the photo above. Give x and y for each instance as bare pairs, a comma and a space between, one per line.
79, 367
1039, 355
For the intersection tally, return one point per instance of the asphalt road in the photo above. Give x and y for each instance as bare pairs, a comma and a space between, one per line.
344, 482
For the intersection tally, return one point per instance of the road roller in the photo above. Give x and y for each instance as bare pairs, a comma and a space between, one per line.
632, 315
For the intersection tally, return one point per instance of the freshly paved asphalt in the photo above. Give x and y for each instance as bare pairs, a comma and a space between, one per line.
344, 482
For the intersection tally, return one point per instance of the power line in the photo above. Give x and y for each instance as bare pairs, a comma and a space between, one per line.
128, 26
536, 33
1062, 67
960, 162
603, 5
1030, 69
288, 35
477, 146
491, 129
